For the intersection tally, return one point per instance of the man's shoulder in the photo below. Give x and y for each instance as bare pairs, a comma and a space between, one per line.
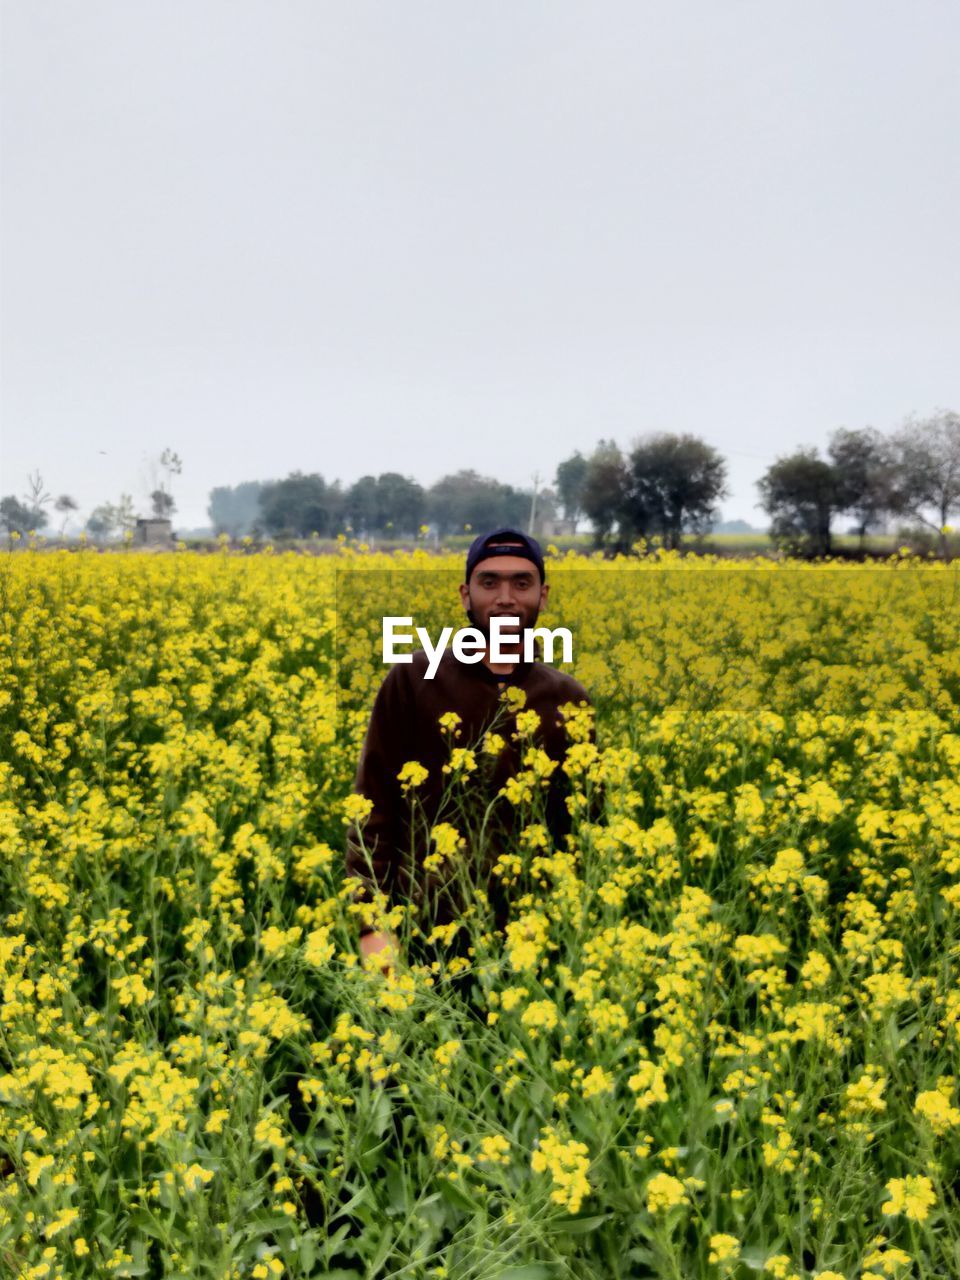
412, 681
404, 675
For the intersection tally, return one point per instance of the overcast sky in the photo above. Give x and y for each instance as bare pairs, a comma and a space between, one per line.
354, 237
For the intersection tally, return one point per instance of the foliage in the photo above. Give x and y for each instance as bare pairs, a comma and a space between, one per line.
388, 503
235, 510
21, 516
102, 520
719, 1035
864, 467
674, 483
569, 482
467, 498
604, 494
17, 517
801, 493
666, 486
162, 503
301, 505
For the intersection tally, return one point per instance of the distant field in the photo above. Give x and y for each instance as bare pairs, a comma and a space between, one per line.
719, 544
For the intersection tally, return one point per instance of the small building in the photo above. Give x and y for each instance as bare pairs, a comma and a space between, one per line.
549, 526
153, 531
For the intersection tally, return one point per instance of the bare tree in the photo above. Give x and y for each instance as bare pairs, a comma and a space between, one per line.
124, 515
928, 465
156, 477
37, 497
171, 465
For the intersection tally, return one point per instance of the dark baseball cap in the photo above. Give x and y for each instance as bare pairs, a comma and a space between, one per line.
491, 544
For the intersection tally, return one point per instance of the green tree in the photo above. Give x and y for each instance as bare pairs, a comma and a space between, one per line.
361, 506
102, 521
569, 481
674, 483
163, 504
301, 505
401, 503
235, 510
18, 517
480, 501
604, 494
801, 494
21, 516
864, 468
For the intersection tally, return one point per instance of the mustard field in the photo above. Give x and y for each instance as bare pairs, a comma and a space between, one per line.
719, 1036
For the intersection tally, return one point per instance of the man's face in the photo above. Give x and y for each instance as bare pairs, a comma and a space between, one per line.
503, 586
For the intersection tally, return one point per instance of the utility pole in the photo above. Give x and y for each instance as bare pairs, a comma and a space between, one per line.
533, 502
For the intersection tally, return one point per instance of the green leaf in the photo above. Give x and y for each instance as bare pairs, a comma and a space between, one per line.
331, 1242
536, 1092
307, 1252
268, 1222
383, 1250
352, 1203
380, 1112
397, 1198
644, 1256
906, 1034
455, 1196
755, 1256
583, 1223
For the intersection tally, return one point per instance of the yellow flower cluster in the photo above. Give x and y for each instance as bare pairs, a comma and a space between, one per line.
738, 969
665, 1192
913, 1196
567, 1163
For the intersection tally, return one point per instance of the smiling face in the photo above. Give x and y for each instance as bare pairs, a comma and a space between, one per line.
505, 586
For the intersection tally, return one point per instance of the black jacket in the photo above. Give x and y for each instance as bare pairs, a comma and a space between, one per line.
404, 726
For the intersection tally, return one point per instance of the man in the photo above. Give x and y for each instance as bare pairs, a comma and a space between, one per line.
504, 577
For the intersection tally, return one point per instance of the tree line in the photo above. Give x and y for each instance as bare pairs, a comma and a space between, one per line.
668, 485
389, 505
663, 486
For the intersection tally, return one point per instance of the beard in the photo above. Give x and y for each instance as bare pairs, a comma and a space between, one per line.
528, 618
